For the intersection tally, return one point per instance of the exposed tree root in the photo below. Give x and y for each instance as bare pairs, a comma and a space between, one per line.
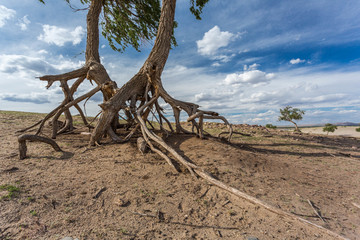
198, 171
136, 99
22, 143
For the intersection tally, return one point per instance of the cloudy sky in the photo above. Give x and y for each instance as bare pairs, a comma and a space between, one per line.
246, 59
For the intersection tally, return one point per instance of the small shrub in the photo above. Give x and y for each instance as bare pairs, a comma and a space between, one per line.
13, 191
270, 126
357, 129
33, 213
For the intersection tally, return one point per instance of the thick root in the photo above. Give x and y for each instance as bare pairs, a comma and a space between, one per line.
22, 143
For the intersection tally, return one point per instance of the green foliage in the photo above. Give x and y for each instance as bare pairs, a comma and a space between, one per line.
68, 1
134, 22
270, 126
13, 191
130, 22
329, 128
196, 7
357, 129
289, 114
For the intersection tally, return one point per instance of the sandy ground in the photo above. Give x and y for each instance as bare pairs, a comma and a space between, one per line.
115, 192
340, 131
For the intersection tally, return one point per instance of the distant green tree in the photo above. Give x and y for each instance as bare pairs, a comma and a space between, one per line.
290, 114
270, 126
329, 128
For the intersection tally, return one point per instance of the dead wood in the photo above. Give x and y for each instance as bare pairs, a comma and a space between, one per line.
66, 76
98, 194
317, 212
144, 88
234, 132
356, 205
22, 143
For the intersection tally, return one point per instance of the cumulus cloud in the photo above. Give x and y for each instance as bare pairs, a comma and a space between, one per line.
21, 64
212, 41
24, 22
296, 61
252, 76
5, 14
59, 36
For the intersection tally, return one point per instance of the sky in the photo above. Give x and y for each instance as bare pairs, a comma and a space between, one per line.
245, 59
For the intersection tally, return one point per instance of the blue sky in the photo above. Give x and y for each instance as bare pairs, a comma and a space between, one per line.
245, 59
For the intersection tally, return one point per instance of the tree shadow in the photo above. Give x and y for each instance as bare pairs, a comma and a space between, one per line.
257, 148
64, 156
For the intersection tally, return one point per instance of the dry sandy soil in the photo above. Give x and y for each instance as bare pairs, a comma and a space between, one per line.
114, 192
346, 131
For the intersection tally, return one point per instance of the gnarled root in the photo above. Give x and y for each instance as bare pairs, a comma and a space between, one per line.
198, 171
22, 143
93, 71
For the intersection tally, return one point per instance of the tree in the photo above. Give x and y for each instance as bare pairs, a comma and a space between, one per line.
329, 128
128, 23
290, 114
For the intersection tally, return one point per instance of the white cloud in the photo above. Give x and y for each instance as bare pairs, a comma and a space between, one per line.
213, 40
296, 61
59, 36
324, 98
5, 14
253, 76
21, 64
267, 113
24, 22
256, 119
43, 51
347, 111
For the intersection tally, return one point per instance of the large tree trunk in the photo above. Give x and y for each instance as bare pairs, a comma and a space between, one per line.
153, 66
92, 38
134, 97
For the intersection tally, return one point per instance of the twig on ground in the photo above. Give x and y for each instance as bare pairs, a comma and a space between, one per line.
317, 212
310, 216
100, 192
356, 205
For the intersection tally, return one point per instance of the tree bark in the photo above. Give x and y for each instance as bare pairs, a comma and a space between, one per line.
153, 66
296, 127
92, 39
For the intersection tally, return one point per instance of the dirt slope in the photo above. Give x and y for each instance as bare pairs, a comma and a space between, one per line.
115, 192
